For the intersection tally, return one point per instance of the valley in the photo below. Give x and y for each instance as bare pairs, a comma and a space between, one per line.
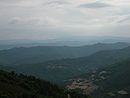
111, 81
103, 74
64, 48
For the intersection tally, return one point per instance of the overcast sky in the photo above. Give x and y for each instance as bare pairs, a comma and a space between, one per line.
48, 19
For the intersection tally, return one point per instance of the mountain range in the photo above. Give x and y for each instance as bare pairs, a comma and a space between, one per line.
33, 55
60, 70
99, 70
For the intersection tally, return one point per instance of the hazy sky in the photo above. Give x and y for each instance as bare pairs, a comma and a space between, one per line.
46, 19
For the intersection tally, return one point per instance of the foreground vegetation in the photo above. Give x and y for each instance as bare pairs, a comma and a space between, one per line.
14, 85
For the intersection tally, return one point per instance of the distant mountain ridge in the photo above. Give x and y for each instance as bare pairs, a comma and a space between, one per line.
104, 67
59, 70
32, 55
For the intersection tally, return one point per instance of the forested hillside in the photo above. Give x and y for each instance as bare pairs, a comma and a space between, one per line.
60, 70
14, 85
32, 55
111, 81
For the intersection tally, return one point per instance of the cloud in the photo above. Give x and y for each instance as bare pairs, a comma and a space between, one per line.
35, 21
125, 19
95, 5
57, 2
63, 17
10, 0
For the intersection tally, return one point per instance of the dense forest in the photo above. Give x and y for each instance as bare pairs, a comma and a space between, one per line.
113, 81
104, 74
14, 85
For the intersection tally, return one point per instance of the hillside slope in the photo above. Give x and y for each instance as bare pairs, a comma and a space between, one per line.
32, 55
117, 82
60, 70
13, 85
112, 81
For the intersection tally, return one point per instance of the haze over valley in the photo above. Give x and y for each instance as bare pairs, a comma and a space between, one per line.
64, 49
